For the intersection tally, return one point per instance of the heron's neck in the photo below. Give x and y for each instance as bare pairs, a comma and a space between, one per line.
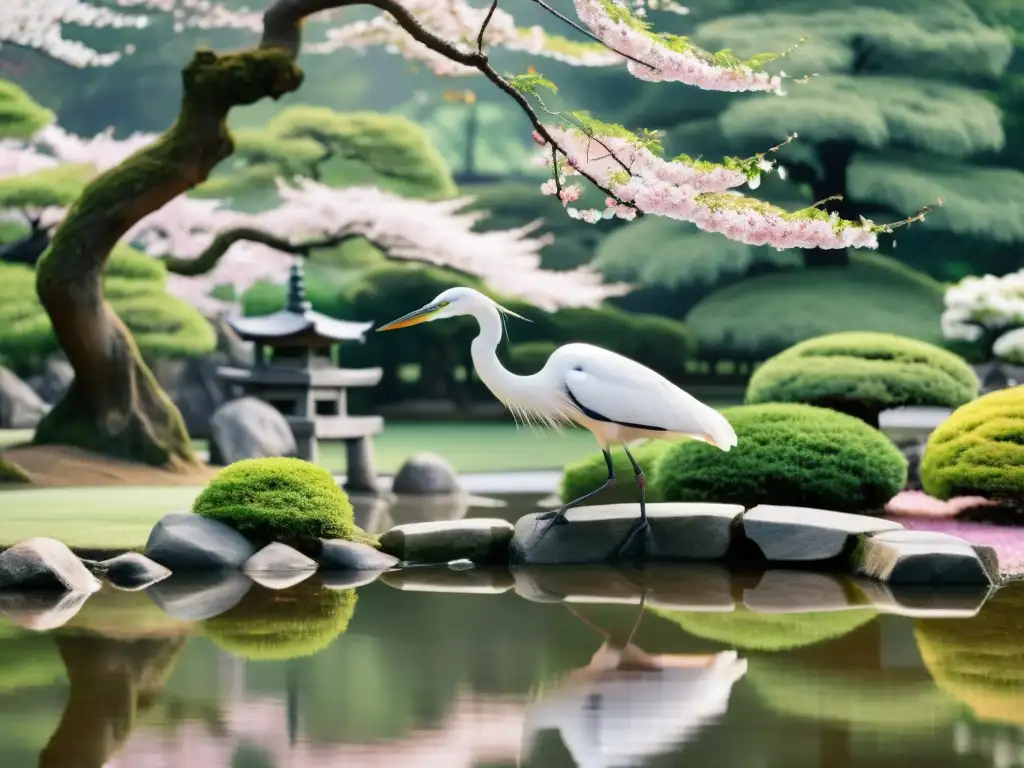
484, 350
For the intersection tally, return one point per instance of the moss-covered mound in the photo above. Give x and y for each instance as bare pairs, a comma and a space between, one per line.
591, 472
979, 450
864, 374
750, 631
11, 473
787, 454
279, 499
980, 661
268, 625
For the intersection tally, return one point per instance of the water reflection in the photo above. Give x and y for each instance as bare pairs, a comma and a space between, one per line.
455, 669
628, 705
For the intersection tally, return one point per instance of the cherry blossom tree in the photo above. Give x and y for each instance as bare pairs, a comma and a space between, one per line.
115, 405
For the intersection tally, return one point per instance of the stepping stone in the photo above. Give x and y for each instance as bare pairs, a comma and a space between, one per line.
681, 531
480, 581
131, 571
341, 555
482, 540
278, 558
45, 564
782, 591
924, 602
988, 556
802, 534
919, 557
184, 542
200, 596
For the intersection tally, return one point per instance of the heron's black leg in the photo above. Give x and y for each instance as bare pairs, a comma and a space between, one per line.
557, 516
642, 527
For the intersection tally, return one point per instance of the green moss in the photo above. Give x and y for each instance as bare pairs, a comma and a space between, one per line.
164, 326
864, 374
979, 450
272, 625
796, 455
980, 662
761, 315
275, 499
590, 473
11, 473
750, 631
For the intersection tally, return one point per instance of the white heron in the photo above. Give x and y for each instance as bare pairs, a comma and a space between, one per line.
617, 399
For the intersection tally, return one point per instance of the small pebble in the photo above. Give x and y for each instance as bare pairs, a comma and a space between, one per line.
462, 564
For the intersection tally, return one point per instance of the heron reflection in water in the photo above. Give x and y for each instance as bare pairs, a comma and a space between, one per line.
627, 705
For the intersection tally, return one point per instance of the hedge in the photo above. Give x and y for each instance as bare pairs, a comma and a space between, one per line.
979, 450
787, 454
863, 374
590, 473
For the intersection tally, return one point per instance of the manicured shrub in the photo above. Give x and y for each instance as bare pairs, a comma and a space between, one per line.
270, 625
979, 450
589, 473
279, 499
787, 454
863, 374
11, 473
980, 662
750, 631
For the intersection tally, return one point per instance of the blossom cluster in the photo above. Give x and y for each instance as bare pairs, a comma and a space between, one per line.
977, 305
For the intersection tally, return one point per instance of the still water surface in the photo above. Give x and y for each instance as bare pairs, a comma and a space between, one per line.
392, 674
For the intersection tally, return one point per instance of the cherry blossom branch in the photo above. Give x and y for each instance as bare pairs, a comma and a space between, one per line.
562, 17
483, 27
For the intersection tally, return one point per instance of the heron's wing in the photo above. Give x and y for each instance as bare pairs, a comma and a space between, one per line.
610, 387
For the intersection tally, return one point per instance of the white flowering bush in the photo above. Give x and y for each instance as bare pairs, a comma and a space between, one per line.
988, 310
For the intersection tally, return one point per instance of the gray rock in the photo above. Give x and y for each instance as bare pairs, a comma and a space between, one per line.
278, 580
482, 540
43, 563
479, 581
783, 591
341, 555
41, 611
919, 557
576, 583
682, 531
426, 474
132, 571
56, 379
20, 406
185, 543
925, 601
696, 587
249, 428
348, 579
792, 534
200, 596
278, 558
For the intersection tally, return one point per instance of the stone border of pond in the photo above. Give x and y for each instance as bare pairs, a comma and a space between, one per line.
795, 538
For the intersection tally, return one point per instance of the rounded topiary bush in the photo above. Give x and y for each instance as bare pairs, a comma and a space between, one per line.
276, 625
11, 473
787, 454
590, 473
979, 450
279, 499
863, 374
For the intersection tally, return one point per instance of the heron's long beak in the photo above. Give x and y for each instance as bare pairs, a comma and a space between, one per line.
421, 315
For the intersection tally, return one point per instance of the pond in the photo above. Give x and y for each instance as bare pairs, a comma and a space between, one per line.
499, 672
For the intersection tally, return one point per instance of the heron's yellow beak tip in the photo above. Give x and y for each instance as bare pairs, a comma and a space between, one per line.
413, 318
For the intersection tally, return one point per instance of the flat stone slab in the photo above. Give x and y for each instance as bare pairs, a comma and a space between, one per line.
924, 602
45, 564
919, 557
681, 531
278, 558
803, 534
694, 587
784, 591
479, 581
183, 541
480, 539
580, 583
341, 555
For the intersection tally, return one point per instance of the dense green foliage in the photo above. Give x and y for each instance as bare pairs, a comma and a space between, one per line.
529, 357
20, 115
134, 283
272, 625
787, 454
752, 631
863, 374
58, 186
766, 314
979, 450
279, 499
980, 662
590, 473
